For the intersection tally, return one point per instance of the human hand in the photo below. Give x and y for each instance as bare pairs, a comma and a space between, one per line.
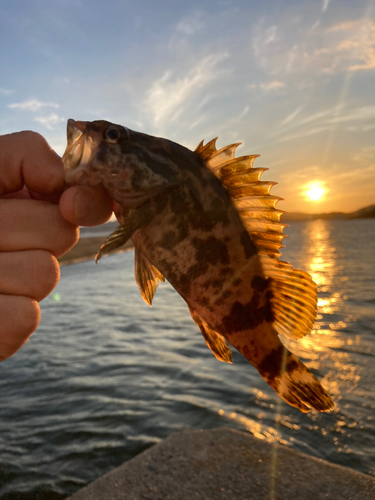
35, 230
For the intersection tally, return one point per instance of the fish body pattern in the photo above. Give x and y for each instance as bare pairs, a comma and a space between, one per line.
204, 221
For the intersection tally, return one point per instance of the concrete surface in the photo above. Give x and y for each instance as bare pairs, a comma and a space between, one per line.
227, 464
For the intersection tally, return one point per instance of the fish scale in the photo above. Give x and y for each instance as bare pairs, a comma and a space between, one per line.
204, 221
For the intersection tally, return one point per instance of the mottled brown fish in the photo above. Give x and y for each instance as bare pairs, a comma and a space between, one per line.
204, 221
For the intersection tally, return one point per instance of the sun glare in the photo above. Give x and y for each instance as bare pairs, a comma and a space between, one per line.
315, 192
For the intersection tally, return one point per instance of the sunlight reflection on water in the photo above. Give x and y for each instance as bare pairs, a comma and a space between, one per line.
331, 348
326, 344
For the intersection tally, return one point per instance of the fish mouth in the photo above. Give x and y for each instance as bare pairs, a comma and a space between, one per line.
78, 153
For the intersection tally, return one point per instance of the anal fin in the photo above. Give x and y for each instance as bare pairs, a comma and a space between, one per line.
147, 276
214, 340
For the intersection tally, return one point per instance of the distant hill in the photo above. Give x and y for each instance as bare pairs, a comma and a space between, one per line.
363, 213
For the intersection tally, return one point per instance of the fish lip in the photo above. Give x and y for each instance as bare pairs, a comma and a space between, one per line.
74, 150
76, 176
79, 148
74, 130
73, 169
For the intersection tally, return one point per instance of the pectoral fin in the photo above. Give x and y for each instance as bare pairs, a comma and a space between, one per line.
214, 340
121, 235
147, 277
135, 218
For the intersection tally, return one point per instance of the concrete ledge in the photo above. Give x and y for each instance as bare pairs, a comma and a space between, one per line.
223, 464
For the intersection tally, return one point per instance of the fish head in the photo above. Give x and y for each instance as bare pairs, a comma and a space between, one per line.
101, 152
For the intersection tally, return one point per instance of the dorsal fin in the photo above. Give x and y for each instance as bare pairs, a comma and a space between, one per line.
206, 151
294, 292
250, 196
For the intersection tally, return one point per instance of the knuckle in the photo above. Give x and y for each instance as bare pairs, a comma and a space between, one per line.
29, 319
68, 237
33, 138
22, 319
45, 274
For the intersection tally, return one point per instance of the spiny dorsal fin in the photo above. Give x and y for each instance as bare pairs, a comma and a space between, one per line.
294, 292
146, 276
215, 158
250, 196
208, 150
215, 341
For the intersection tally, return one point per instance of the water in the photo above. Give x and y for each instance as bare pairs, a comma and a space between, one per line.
105, 376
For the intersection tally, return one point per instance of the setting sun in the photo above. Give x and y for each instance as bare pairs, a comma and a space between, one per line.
315, 192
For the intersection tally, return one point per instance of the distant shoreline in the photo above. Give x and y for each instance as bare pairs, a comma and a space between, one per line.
86, 249
363, 213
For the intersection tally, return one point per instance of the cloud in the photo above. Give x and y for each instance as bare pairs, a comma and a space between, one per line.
168, 96
292, 115
346, 46
358, 43
190, 24
274, 85
325, 5
5, 91
322, 121
305, 133
263, 38
367, 154
32, 105
49, 121
362, 113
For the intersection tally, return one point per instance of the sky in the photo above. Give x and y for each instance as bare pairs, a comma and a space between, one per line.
294, 81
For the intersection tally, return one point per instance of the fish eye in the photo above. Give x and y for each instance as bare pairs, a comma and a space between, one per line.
112, 134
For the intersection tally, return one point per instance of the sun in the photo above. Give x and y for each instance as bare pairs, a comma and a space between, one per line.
315, 192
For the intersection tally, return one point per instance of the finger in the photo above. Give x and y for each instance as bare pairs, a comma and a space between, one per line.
26, 158
20, 317
31, 273
31, 224
86, 206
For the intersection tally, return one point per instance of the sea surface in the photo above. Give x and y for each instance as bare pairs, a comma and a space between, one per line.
106, 376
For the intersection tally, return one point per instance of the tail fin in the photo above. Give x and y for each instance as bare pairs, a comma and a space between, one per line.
293, 382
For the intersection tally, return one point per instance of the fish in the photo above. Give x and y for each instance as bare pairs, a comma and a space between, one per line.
205, 222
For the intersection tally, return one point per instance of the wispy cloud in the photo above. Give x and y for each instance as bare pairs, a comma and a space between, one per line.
358, 43
367, 153
272, 86
325, 5
305, 133
167, 96
292, 115
189, 25
363, 113
321, 121
310, 124
6, 91
32, 105
345, 46
49, 121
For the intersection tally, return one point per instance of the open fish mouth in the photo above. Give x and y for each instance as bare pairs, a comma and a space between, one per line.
79, 151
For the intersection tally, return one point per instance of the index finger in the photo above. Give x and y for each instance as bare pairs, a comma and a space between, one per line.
26, 159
